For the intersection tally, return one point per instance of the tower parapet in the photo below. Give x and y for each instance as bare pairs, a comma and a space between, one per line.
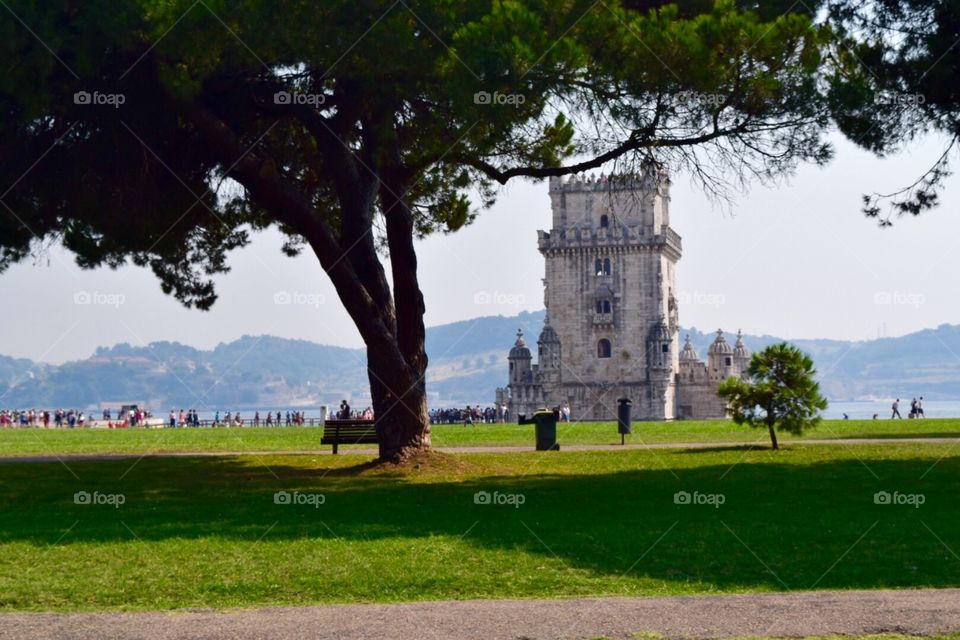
623, 210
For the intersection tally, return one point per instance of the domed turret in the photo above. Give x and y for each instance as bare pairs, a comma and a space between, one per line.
720, 346
689, 354
660, 332
519, 360
520, 349
721, 360
548, 335
739, 349
549, 347
659, 344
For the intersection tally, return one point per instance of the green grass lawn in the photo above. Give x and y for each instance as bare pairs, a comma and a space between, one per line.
16, 442
206, 532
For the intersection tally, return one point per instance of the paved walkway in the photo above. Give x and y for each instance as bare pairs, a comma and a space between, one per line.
920, 612
478, 449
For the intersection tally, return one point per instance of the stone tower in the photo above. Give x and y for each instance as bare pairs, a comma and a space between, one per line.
611, 327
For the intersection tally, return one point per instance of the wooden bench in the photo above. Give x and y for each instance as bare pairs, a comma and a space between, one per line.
337, 432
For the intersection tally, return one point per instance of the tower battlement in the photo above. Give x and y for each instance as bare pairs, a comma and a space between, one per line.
618, 238
615, 207
580, 182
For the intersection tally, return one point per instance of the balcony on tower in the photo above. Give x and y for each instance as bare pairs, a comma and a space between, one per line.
603, 306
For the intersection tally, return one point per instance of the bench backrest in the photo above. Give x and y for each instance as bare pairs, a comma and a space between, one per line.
349, 429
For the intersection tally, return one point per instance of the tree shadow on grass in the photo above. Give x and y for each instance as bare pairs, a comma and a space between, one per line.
733, 448
753, 524
892, 436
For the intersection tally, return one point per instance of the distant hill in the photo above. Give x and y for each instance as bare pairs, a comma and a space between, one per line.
467, 362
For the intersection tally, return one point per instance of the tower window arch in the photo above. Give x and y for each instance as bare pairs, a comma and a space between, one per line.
604, 221
603, 306
598, 267
603, 348
606, 266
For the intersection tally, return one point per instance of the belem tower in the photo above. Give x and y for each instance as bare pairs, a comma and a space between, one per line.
611, 328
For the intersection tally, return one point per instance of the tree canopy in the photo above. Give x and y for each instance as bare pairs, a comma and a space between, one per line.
908, 51
145, 179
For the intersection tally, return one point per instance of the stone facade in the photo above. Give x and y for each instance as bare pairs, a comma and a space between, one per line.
612, 328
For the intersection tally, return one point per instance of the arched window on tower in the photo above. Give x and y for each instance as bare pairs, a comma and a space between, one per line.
606, 266
598, 267
604, 221
603, 348
603, 306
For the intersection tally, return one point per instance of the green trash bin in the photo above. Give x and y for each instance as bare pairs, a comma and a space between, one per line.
545, 426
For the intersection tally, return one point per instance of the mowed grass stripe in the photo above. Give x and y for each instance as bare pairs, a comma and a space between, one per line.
208, 532
35, 441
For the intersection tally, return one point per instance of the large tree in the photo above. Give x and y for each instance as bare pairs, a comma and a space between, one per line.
164, 132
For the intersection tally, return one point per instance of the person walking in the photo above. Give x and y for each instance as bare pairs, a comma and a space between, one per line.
896, 409
920, 408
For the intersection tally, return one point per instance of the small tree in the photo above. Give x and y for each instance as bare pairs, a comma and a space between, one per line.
781, 394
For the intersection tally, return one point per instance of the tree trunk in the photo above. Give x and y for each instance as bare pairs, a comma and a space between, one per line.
773, 435
405, 426
391, 326
400, 406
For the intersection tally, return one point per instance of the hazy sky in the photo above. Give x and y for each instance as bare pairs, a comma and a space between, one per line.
798, 261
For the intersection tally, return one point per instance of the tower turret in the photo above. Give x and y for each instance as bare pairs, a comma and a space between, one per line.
548, 352
549, 356
689, 353
721, 356
741, 355
521, 371
659, 346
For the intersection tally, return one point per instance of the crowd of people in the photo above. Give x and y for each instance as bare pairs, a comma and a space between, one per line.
469, 415
73, 418
66, 418
190, 418
481, 415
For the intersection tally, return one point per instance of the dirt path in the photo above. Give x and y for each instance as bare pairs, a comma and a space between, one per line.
477, 449
920, 612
